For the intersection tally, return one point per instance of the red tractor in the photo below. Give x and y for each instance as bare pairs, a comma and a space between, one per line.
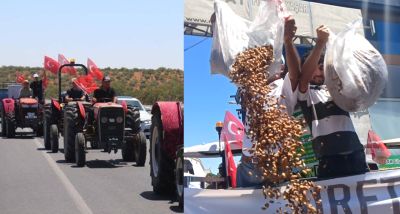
53, 120
23, 113
105, 125
166, 149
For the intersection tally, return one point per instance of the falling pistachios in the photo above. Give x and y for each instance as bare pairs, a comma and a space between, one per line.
276, 135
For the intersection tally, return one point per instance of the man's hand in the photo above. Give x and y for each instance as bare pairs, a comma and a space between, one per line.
290, 29
322, 34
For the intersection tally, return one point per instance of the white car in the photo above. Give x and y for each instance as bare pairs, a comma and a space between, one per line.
145, 117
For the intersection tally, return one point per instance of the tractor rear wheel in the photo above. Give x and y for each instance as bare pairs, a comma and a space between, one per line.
46, 129
140, 149
70, 130
128, 149
10, 127
80, 154
161, 167
54, 138
133, 119
179, 176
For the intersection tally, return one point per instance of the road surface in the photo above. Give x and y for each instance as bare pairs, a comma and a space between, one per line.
33, 180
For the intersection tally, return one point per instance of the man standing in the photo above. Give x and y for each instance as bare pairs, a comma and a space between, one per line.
37, 87
105, 93
335, 142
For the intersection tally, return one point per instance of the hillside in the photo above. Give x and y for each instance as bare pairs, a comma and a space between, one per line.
148, 85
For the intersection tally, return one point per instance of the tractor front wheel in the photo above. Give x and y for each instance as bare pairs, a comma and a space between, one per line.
10, 127
3, 123
46, 129
80, 154
54, 138
140, 149
127, 149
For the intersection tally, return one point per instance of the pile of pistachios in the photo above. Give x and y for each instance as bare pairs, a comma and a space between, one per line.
277, 148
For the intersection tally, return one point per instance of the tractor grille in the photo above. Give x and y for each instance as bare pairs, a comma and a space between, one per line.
29, 115
111, 130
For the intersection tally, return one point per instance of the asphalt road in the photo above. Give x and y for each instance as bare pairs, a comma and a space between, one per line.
33, 180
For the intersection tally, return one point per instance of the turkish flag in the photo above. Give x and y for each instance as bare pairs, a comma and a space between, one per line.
232, 131
62, 60
380, 153
19, 77
86, 83
94, 70
51, 65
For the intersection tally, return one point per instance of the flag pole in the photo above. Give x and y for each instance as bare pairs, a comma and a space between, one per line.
218, 127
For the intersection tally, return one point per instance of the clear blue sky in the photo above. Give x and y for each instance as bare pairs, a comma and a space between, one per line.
122, 33
206, 97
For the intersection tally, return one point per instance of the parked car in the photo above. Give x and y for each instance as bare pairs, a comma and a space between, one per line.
145, 117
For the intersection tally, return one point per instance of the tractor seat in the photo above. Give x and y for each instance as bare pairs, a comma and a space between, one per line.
28, 101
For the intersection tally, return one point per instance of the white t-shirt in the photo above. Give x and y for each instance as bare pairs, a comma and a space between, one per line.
278, 87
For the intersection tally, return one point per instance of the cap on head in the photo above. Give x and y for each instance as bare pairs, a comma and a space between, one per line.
106, 79
35, 75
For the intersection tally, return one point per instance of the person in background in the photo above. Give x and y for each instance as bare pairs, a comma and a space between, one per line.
25, 90
75, 93
37, 87
248, 174
335, 142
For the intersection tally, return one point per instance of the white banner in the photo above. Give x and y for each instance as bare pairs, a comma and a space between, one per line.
308, 15
374, 192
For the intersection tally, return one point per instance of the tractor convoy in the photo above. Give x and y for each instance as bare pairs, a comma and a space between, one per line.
104, 124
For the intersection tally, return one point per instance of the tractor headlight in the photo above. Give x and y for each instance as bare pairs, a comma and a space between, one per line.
120, 119
104, 120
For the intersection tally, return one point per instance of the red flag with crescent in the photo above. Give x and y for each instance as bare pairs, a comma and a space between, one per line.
94, 70
232, 131
51, 65
62, 60
380, 153
19, 77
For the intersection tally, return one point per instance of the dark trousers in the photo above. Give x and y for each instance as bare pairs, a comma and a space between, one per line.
342, 165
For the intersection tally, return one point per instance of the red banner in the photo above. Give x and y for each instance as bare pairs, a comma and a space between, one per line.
51, 65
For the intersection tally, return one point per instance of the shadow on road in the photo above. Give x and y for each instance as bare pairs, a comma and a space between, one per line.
150, 195
176, 209
103, 164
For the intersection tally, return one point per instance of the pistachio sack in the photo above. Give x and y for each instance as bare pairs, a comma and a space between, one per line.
355, 72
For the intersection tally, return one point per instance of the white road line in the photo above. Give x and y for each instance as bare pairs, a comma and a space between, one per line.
76, 197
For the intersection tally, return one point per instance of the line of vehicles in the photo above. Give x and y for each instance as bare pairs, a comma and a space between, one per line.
124, 125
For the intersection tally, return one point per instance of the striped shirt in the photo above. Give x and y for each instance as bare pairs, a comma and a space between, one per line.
331, 127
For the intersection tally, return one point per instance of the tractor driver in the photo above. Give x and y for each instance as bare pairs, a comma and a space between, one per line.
105, 93
25, 90
75, 93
